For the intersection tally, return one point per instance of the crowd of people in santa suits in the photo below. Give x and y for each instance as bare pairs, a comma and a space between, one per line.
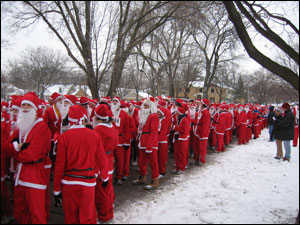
85, 145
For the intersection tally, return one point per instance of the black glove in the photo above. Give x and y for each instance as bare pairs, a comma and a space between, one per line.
58, 200
126, 147
24, 145
105, 183
89, 126
176, 136
15, 139
248, 126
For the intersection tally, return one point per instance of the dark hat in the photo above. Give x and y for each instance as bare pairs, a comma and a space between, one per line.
286, 106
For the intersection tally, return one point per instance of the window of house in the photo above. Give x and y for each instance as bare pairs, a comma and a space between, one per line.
212, 100
212, 90
200, 90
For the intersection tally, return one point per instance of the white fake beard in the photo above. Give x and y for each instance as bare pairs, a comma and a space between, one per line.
60, 107
25, 119
94, 122
89, 110
65, 111
145, 113
115, 108
193, 112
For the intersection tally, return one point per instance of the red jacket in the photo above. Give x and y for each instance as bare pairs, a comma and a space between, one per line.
80, 152
202, 125
122, 124
182, 127
164, 129
221, 123
242, 119
32, 160
53, 119
149, 138
228, 124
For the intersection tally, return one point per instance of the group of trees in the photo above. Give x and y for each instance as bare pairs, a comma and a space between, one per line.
162, 46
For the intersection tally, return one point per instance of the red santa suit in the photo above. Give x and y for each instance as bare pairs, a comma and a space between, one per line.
31, 177
255, 122
213, 135
194, 145
249, 125
148, 144
220, 129
242, 125
163, 131
296, 127
122, 123
228, 127
104, 197
201, 131
181, 139
80, 157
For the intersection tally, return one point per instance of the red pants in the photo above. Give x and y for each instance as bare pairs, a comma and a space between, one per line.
227, 137
122, 162
220, 140
295, 141
256, 131
200, 153
143, 163
104, 200
212, 138
162, 157
242, 134
47, 195
79, 204
248, 133
180, 154
29, 205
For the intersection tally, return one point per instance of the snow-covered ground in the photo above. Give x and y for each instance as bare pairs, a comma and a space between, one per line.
245, 184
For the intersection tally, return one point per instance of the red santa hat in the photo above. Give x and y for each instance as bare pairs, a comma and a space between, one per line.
117, 98
76, 115
55, 96
168, 98
198, 100
32, 100
72, 99
162, 110
93, 101
179, 101
162, 103
180, 110
16, 103
158, 98
205, 102
4, 105
103, 112
84, 100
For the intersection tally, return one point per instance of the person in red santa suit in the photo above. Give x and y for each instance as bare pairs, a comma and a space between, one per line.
148, 144
134, 113
255, 122
163, 132
212, 135
296, 136
30, 148
80, 159
168, 116
103, 126
220, 128
227, 126
122, 123
193, 144
181, 140
201, 131
249, 123
6, 208
241, 125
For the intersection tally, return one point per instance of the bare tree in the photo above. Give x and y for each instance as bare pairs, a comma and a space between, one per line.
37, 69
136, 21
258, 16
78, 26
215, 37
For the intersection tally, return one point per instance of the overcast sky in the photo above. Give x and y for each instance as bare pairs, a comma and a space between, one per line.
41, 36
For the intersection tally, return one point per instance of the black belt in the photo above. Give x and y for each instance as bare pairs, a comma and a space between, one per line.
34, 162
120, 134
88, 169
79, 176
146, 133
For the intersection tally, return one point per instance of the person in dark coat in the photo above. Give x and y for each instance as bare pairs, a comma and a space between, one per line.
286, 130
271, 122
275, 133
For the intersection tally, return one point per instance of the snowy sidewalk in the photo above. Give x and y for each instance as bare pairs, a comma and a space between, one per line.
245, 184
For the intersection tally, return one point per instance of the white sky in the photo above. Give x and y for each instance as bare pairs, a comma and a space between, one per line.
41, 36
243, 185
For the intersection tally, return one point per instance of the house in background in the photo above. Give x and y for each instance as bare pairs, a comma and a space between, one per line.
132, 96
215, 93
8, 90
70, 89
